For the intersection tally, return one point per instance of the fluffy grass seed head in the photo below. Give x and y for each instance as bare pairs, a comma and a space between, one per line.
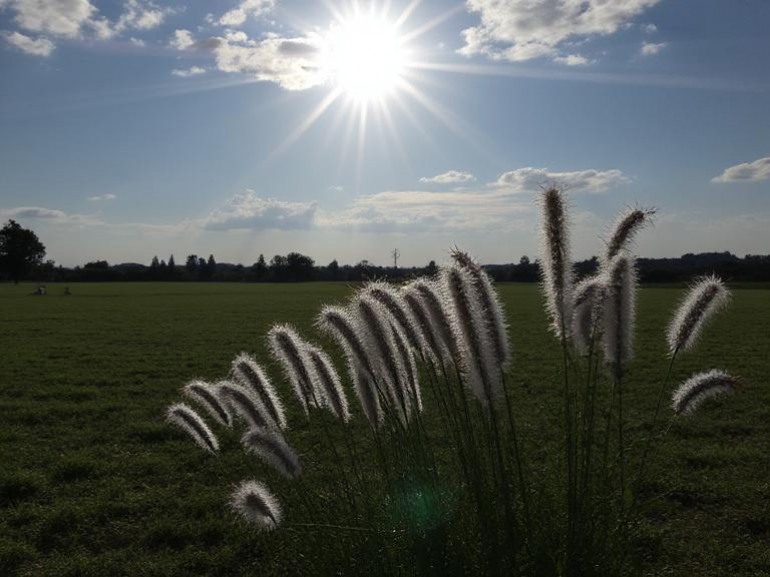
619, 311
247, 372
254, 502
184, 417
288, 348
329, 381
207, 396
479, 365
556, 267
587, 301
390, 298
338, 323
700, 387
274, 450
432, 296
704, 299
244, 402
625, 228
429, 340
497, 326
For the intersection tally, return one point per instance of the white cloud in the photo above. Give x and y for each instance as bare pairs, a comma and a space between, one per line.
137, 42
37, 213
746, 172
649, 28
423, 211
449, 177
102, 197
181, 40
652, 48
246, 210
246, 8
572, 60
187, 72
288, 62
140, 15
34, 46
519, 30
530, 179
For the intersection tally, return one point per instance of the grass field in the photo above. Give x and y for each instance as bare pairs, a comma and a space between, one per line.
93, 482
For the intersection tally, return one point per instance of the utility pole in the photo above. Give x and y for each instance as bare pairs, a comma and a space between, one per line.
396, 255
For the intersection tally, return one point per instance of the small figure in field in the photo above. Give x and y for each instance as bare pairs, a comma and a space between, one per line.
67, 291
39, 291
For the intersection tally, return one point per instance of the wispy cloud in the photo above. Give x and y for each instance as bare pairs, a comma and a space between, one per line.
652, 48
181, 39
238, 15
449, 177
187, 72
572, 60
530, 179
247, 210
746, 172
37, 213
518, 30
102, 197
29, 45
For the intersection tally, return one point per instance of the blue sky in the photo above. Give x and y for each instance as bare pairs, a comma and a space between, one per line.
133, 128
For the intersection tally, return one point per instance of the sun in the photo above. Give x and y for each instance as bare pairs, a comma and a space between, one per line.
364, 57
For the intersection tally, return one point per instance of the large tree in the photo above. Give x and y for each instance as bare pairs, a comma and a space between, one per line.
20, 250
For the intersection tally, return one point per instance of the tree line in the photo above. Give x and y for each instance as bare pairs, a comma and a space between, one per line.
22, 258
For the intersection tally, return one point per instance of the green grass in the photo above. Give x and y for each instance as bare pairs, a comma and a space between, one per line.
92, 482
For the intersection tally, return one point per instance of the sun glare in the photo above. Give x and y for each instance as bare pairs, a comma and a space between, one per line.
365, 58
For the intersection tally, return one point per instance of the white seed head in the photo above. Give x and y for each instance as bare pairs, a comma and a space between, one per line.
556, 265
274, 450
207, 396
432, 296
627, 224
189, 421
429, 343
390, 298
497, 326
255, 503
329, 382
704, 299
244, 402
700, 387
587, 302
247, 372
619, 314
287, 347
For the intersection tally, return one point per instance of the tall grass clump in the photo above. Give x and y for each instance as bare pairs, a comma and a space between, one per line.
427, 469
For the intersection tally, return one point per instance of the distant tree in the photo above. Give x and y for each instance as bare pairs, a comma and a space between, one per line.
192, 263
211, 267
171, 263
334, 269
432, 268
260, 268
524, 260
279, 268
20, 251
97, 264
299, 267
155, 264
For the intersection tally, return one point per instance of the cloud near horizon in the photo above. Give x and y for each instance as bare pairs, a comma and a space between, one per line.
449, 177
247, 210
746, 172
530, 179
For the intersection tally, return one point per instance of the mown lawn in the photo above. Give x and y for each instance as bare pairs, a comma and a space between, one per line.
93, 482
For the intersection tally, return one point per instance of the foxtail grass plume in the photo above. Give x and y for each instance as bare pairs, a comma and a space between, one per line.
189, 421
410, 368
432, 296
497, 326
700, 387
625, 228
207, 396
287, 346
375, 322
556, 268
339, 324
619, 314
275, 451
429, 340
705, 298
393, 301
247, 372
330, 383
255, 503
480, 369
245, 403
587, 300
